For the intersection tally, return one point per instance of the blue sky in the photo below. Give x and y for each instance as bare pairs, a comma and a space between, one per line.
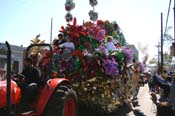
22, 20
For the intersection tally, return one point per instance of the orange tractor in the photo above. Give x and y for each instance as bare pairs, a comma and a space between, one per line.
54, 96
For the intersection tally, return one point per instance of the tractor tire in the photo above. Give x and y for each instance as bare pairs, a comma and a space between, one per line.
62, 103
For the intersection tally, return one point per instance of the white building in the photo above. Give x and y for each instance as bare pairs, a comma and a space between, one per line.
17, 57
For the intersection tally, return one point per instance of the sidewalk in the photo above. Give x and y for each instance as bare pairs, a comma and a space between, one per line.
145, 104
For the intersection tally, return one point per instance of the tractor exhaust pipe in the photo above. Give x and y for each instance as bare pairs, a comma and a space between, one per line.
8, 98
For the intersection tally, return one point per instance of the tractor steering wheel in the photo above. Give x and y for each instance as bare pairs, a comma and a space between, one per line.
19, 79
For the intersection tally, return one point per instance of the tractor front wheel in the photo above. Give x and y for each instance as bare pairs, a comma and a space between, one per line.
62, 103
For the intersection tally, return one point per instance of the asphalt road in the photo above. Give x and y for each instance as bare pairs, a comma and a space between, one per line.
122, 112
145, 103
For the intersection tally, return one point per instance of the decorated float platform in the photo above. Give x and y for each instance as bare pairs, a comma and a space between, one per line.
103, 79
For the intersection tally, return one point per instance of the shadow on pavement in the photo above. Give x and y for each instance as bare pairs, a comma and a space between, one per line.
122, 111
138, 113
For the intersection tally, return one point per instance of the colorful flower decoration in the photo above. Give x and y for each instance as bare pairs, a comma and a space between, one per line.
111, 67
97, 75
75, 32
128, 54
100, 36
102, 51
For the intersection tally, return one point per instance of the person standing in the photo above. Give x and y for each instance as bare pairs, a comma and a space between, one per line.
172, 95
60, 39
118, 46
31, 74
68, 45
110, 45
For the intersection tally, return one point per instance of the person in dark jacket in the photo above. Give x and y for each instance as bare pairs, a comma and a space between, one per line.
29, 86
60, 39
30, 73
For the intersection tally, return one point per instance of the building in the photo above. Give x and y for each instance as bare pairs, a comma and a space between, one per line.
17, 57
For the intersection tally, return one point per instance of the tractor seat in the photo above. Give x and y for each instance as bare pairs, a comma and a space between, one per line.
39, 72
31, 92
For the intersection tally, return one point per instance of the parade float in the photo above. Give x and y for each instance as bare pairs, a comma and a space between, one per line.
103, 79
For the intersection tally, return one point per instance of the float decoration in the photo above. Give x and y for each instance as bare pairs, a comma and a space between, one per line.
92, 14
69, 5
100, 77
36, 40
93, 2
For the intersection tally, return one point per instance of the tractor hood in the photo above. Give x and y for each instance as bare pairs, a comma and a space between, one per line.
15, 93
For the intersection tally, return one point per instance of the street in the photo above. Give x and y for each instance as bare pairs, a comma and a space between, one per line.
145, 106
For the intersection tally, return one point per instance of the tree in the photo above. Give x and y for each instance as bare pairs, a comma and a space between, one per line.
144, 51
167, 36
167, 59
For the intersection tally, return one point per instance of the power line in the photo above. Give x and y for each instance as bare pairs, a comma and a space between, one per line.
167, 16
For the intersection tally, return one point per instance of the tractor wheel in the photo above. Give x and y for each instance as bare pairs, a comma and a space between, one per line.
62, 103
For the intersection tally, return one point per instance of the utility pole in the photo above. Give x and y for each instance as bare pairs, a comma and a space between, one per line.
174, 21
51, 30
158, 58
173, 43
161, 67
